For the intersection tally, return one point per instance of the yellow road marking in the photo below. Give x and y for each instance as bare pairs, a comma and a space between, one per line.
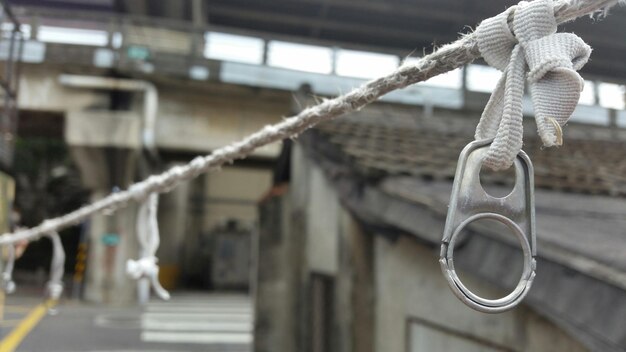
15, 337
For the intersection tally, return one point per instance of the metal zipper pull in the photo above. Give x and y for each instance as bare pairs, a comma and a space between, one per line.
469, 202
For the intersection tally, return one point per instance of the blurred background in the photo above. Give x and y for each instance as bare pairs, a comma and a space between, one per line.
325, 242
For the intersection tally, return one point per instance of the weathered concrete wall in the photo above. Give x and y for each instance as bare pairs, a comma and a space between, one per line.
103, 128
192, 117
409, 284
277, 280
306, 232
201, 120
213, 198
173, 228
233, 193
355, 287
106, 280
40, 90
323, 213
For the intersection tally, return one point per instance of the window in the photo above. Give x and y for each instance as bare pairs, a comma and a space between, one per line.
482, 78
611, 96
300, 57
587, 96
231, 47
7, 28
76, 36
117, 40
362, 64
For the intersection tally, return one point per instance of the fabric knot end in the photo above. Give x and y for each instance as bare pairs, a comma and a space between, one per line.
523, 43
143, 267
8, 285
54, 290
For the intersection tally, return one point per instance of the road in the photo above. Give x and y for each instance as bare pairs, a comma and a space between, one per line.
188, 322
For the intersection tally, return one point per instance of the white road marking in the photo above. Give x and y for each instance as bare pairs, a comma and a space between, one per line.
199, 316
182, 325
196, 337
202, 310
222, 320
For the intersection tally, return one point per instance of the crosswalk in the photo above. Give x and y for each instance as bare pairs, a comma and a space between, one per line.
221, 321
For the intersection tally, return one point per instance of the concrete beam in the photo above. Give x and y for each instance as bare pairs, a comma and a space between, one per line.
105, 128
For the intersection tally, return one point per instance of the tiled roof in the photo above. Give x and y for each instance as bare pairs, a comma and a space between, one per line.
383, 149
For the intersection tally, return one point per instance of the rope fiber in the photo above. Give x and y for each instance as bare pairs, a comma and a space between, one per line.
444, 59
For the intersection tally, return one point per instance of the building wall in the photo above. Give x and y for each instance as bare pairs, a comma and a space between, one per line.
277, 280
233, 193
212, 200
306, 239
412, 295
193, 117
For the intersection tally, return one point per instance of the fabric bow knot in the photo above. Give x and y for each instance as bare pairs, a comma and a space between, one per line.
143, 267
529, 44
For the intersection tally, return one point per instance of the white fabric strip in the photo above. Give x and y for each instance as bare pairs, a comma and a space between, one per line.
54, 287
8, 285
148, 236
551, 60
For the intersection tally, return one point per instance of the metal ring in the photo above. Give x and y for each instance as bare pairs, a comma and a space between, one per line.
473, 300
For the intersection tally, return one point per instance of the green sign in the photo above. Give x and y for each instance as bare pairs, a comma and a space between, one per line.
111, 239
138, 52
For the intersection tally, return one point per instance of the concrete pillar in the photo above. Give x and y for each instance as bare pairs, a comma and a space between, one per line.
112, 237
105, 146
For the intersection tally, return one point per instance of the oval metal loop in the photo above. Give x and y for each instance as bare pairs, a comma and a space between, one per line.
469, 202
465, 294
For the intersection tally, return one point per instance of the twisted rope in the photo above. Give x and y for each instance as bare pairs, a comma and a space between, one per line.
444, 59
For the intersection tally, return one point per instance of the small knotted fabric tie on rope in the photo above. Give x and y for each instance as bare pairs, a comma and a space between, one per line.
8, 285
551, 60
148, 236
54, 287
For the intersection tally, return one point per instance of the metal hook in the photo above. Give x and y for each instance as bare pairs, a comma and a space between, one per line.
469, 202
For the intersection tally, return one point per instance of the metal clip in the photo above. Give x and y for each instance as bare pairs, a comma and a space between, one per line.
469, 202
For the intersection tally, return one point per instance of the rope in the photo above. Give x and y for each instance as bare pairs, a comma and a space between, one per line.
530, 43
446, 58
